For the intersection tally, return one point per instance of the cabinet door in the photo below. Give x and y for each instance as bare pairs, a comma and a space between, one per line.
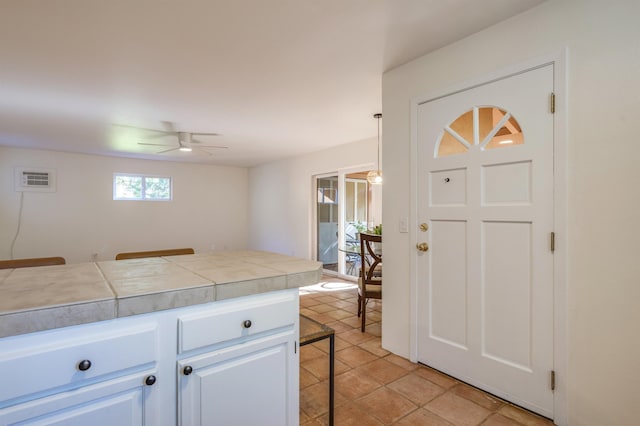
254, 383
116, 402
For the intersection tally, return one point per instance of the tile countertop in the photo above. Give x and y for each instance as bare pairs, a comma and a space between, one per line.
47, 297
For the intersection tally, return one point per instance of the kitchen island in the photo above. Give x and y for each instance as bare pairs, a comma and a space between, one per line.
191, 340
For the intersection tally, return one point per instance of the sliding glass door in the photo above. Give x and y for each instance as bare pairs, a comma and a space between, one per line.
328, 219
345, 205
356, 191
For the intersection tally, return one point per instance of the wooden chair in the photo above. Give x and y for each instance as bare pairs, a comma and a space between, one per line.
154, 253
370, 281
25, 263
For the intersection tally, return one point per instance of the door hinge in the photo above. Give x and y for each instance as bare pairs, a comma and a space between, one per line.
552, 103
552, 242
295, 347
553, 380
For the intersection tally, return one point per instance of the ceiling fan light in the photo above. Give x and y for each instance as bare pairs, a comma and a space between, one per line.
185, 149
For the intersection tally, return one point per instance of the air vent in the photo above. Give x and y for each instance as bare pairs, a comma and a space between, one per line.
37, 180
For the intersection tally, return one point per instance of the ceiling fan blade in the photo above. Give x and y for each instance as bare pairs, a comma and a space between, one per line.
158, 135
199, 144
205, 134
167, 150
124, 126
212, 146
153, 144
197, 148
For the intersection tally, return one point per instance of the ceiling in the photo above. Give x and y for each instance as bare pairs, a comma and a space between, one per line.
273, 78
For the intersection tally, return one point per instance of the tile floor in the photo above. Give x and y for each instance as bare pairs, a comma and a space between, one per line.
375, 387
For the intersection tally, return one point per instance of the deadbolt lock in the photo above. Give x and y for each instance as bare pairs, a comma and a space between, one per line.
422, 246
424, 227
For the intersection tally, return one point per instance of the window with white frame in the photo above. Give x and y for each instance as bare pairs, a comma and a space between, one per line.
139, 187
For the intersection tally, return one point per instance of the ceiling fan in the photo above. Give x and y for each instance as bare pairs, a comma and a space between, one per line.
186, 140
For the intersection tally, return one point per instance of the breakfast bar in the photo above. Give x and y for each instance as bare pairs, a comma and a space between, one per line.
114, 342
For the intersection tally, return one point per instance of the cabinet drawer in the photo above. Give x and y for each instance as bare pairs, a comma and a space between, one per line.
234, 319
50, 360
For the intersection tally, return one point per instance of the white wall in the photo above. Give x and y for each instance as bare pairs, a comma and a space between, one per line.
209, 207
280, 200
603, 203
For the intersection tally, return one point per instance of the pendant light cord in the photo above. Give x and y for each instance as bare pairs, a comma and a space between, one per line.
378, 116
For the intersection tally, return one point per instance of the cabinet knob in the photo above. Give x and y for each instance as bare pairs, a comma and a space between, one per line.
187, 370
84, 365
247, 323
150, 380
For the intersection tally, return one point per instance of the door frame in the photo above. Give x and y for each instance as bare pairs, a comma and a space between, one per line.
560, 199
341, 173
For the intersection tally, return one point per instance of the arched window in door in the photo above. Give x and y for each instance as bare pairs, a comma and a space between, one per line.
487, 127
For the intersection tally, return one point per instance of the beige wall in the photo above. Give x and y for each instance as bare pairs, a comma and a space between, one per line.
603, 287
209, 207
280, 200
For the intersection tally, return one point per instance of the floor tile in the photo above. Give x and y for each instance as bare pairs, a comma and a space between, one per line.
382, 370
344, 304
339, 326
416, 389
339, 314
401, 362
354, 356
524, 417
354, 386
355, 336
313, 399
309, 352
374, 347
307, 379
319, 367
499, 420
423, 417
457, 410
320, 309
481, 398
350, 415
436, 377
386, 405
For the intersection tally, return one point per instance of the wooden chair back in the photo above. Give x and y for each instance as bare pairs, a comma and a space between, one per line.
25, 263
371, 253
154, 253
370, 281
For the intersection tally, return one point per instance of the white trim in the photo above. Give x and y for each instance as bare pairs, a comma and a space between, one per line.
561, 225
560, 310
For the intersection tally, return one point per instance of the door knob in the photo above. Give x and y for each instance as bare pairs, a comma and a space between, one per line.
422, 246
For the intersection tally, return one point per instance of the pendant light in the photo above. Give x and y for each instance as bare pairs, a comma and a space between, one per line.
374, 177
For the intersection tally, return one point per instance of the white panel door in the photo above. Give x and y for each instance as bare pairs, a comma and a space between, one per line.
485, 190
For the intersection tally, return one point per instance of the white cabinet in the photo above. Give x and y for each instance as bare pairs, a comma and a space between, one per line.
98, 374
244, 368
241, 353
248, 384
115, 402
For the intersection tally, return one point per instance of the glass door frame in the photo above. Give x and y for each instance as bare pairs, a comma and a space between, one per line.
341, 173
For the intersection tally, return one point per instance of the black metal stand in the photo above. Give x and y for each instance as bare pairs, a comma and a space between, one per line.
312, 331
